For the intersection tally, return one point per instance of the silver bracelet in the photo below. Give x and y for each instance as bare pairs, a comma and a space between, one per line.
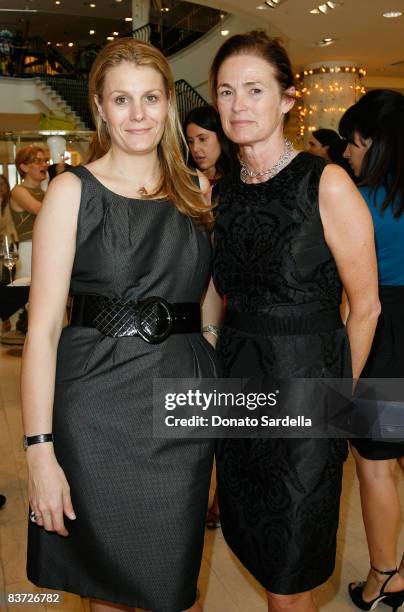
212, 329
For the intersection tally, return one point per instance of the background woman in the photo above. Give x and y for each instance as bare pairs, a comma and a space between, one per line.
6, 222
130, 508
289, 230
6, 228
26, 201
212, 153
374, 128
321, 141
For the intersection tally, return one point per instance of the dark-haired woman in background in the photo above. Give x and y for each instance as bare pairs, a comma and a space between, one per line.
212, 152
327, 144
290, 230
374, 128
320, 142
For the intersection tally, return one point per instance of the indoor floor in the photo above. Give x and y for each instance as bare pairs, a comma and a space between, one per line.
224, 585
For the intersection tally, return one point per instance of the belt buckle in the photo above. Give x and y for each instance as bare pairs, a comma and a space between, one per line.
154, 319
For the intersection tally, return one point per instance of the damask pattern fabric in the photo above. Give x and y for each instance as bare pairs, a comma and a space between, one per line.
279, 498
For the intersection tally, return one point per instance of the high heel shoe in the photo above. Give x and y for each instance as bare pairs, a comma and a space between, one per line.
394, 600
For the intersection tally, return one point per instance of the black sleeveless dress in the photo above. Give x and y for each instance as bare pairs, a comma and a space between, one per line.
140, 501
279, 498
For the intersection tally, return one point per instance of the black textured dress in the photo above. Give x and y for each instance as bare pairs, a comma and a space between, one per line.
140, 501
279, 498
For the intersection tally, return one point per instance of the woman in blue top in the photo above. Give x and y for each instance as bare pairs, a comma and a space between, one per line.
374, 129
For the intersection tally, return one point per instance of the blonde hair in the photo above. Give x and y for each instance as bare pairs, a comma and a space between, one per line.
26, 155
177, 180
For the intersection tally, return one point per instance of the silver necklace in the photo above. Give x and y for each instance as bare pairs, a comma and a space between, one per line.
247, 173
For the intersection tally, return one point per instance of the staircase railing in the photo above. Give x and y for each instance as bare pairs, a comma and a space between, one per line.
75, 93
186, 23
143, 33
35, 57
187, 98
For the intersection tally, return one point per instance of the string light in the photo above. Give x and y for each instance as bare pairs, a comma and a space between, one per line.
333, 88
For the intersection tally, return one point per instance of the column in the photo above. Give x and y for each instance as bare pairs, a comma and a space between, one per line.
140, 13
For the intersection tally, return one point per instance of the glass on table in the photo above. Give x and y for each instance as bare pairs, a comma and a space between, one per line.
9, 254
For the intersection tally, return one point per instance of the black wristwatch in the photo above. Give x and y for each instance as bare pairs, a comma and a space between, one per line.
39, 439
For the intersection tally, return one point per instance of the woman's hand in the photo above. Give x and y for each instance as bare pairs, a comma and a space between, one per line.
211, 338
48, 489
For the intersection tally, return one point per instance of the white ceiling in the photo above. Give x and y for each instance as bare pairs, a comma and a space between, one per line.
363, 35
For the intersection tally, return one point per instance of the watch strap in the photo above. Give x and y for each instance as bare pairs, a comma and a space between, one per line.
39, 439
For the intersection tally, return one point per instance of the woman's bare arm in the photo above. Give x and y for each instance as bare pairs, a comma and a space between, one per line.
53, 255
21, 199
349, 233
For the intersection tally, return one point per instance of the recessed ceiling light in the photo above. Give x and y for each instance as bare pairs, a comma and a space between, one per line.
224, 32
392, 14
128, 18
325, 42
110, 38
92, 5
91, 32
324, 8
71, 44
269, 4
115, 33
57, 1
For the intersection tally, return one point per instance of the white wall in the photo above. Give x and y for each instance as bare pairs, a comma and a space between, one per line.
21, 96
192, 63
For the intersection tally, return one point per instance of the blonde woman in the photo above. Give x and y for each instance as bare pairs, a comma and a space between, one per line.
128, 509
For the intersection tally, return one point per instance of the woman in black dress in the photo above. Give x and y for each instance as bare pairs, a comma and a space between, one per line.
374, 128
289, 230
128, 509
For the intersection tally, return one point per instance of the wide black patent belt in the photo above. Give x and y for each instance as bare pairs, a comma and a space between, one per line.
271, 325
153, 319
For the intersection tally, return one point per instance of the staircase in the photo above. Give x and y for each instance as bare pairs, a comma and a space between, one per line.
73, 93
57, 104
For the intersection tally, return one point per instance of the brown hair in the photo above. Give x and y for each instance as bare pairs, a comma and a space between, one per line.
94, 150
26, 155
257, 43
177, 180
5, 200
